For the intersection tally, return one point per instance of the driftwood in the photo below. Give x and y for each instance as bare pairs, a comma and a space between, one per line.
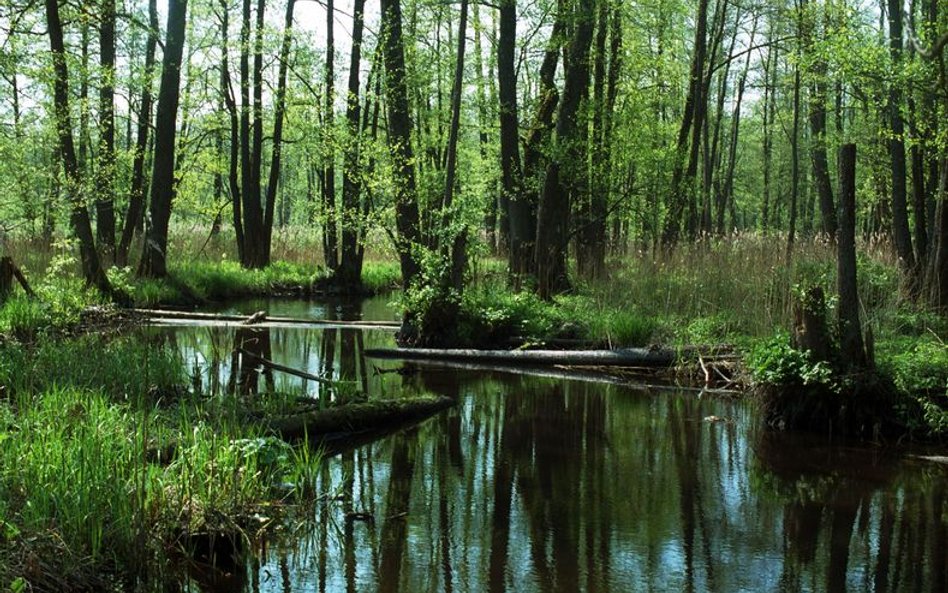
628, 357
259, 319
8, 273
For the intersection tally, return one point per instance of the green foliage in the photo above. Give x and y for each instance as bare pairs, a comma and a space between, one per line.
919, 368
776, 362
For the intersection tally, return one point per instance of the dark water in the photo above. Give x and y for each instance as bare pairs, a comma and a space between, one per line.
539, 484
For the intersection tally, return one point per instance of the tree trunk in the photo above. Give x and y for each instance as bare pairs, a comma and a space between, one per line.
136, 195
256, 252
769, 117
331, 238
900, 225
554, 207
523, 212
452, 245
105, 178
727, 193
591, 234
79, 217
794, 161
682, 185
518, 203
230, 103
350, 265
154, 254
817, 116
279, 110
850, 331
938, 268
399, 140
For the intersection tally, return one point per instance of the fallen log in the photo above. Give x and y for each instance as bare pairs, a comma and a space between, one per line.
353, 419
259, 318
627, 357
350, 423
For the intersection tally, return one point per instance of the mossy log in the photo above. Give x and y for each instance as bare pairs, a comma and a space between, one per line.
627, 357
345, 423
356, 418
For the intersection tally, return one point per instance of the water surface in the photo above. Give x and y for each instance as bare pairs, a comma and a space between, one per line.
538, 484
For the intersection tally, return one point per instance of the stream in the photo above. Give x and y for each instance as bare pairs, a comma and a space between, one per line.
538, 484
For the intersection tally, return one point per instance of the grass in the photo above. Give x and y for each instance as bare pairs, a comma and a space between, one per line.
75, 487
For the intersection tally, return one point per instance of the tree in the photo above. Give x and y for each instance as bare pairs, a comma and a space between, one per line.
399, 140
552, 237
105, 177
350, 263
79, 216
519, 215
155, 251
136, 195
682, 184
900, 225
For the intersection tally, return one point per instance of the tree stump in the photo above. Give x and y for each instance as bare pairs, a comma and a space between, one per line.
810, 330
8, 273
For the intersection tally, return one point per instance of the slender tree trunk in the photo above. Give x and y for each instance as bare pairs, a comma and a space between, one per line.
938, 268
918, 188
79, 217
154, 254
136, 195
682, 185
331, 239
561, 180
350, 266
612, 91
105, 178
453, 245
279, 110
230, 103
900, 226
794, 161
850, 330
727, 194
591, 235
523, 211
769, 116
817, 116
399, 140
483, 141
84, 140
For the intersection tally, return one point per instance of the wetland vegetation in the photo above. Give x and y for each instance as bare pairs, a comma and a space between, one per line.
758, 191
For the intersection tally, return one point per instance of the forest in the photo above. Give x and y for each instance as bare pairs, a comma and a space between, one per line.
750, 194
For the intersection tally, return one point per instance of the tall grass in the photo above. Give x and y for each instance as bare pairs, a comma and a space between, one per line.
78, 419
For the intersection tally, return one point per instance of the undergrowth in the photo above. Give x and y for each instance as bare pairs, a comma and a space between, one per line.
78, 418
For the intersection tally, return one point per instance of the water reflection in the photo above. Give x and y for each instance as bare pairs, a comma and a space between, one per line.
539, 485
